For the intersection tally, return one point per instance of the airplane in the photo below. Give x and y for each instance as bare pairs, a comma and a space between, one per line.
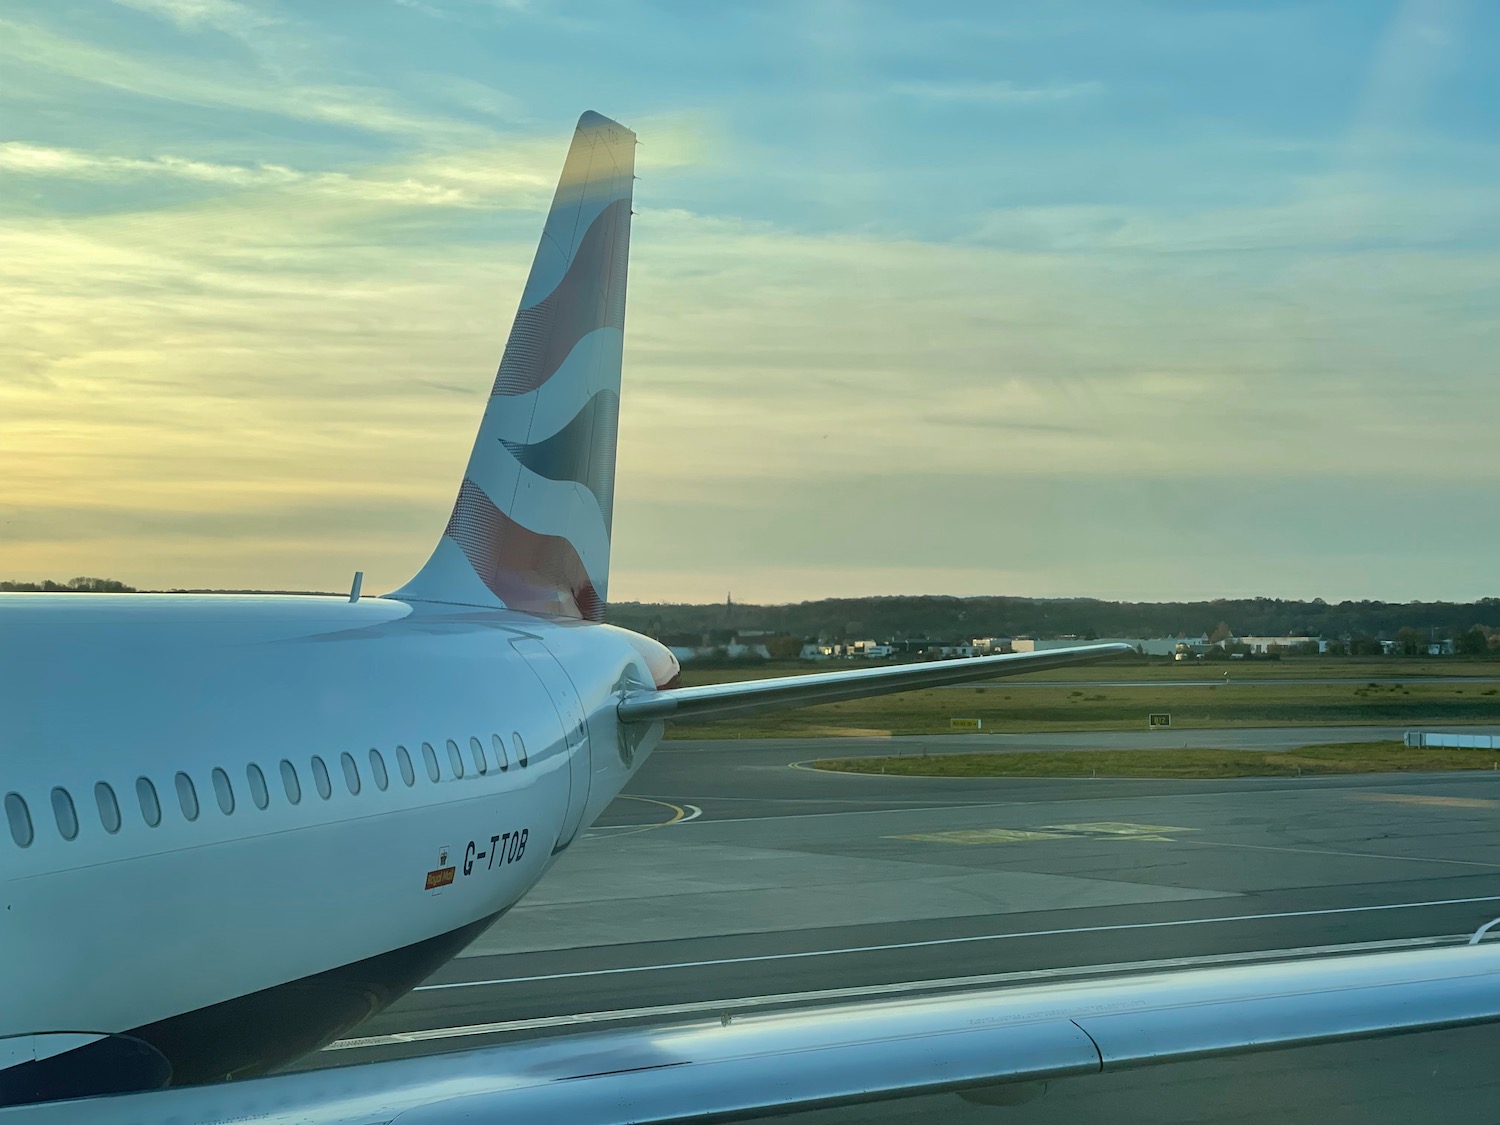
237, 826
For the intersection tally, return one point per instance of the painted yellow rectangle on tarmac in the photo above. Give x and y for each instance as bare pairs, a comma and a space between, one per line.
1096, 830
979, 836
1431, 802
1118, 830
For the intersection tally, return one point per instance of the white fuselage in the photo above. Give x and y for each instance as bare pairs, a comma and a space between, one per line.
105, 699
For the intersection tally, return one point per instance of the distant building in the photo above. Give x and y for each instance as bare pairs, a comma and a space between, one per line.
1432, 648
1260, 646
868, 650
735, 649
949, 652
1150, 646
992, 646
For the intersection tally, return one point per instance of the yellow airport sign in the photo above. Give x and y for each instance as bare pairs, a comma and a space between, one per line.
966, 724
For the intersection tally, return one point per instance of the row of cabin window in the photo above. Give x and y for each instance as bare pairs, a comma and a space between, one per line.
63, 811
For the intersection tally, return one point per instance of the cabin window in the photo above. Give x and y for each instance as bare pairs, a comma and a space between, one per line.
429, 756
66, 814
223, 791
403, 759
258, 791
109, 808
455, 759
515, 736
290, 783
377, 771
321, 779
145, 793
476, 751
187, 796
351, 773
497, 744
19, 817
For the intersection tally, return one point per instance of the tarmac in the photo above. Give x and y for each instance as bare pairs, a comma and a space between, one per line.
728, 879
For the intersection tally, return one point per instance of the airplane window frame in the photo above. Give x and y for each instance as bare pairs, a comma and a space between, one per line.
378, 771
223, 790
109, 807
403, 762
502, 752
16, 804
476, 751
63, 807
430, 760
520, 743
260, 792
149, 801
322, 779
455, 759
187, 796
351, 773
290, 782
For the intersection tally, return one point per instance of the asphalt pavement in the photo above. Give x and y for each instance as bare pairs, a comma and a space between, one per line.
728, 880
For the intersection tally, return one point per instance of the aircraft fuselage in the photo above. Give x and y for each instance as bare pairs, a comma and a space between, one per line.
250, 822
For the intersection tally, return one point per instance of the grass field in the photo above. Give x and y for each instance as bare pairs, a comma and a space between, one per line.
1135, 668
1196, 696
1352, 757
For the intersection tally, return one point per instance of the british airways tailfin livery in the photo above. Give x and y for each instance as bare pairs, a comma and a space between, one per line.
237, 826
530, 529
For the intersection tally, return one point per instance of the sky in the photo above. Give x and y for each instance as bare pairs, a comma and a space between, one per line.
1146, 301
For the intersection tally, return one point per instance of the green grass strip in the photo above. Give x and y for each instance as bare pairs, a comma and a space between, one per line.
1337, 758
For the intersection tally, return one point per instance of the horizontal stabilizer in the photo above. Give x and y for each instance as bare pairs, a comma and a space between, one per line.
747, 697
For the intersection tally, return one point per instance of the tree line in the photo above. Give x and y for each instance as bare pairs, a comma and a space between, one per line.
1356, 627
835, 619
71, 586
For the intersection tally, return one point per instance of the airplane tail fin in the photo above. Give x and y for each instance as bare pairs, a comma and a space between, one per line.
531, 527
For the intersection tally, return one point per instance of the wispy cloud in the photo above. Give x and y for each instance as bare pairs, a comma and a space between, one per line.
994, 93
469, 180
364, 108
40, 160
223, 15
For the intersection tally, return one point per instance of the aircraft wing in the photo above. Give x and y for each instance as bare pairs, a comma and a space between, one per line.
992, 1047
747, 697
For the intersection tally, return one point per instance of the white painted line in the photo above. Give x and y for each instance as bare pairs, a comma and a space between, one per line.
741, 1004
1307, 786
957, 941
694, 815
1344, 855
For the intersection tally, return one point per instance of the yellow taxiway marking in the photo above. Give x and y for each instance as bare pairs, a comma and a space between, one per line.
1118, 830
1097, 830
1435, 802
979, 836
678, 813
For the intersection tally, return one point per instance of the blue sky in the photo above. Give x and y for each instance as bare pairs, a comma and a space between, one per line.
1129, 300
